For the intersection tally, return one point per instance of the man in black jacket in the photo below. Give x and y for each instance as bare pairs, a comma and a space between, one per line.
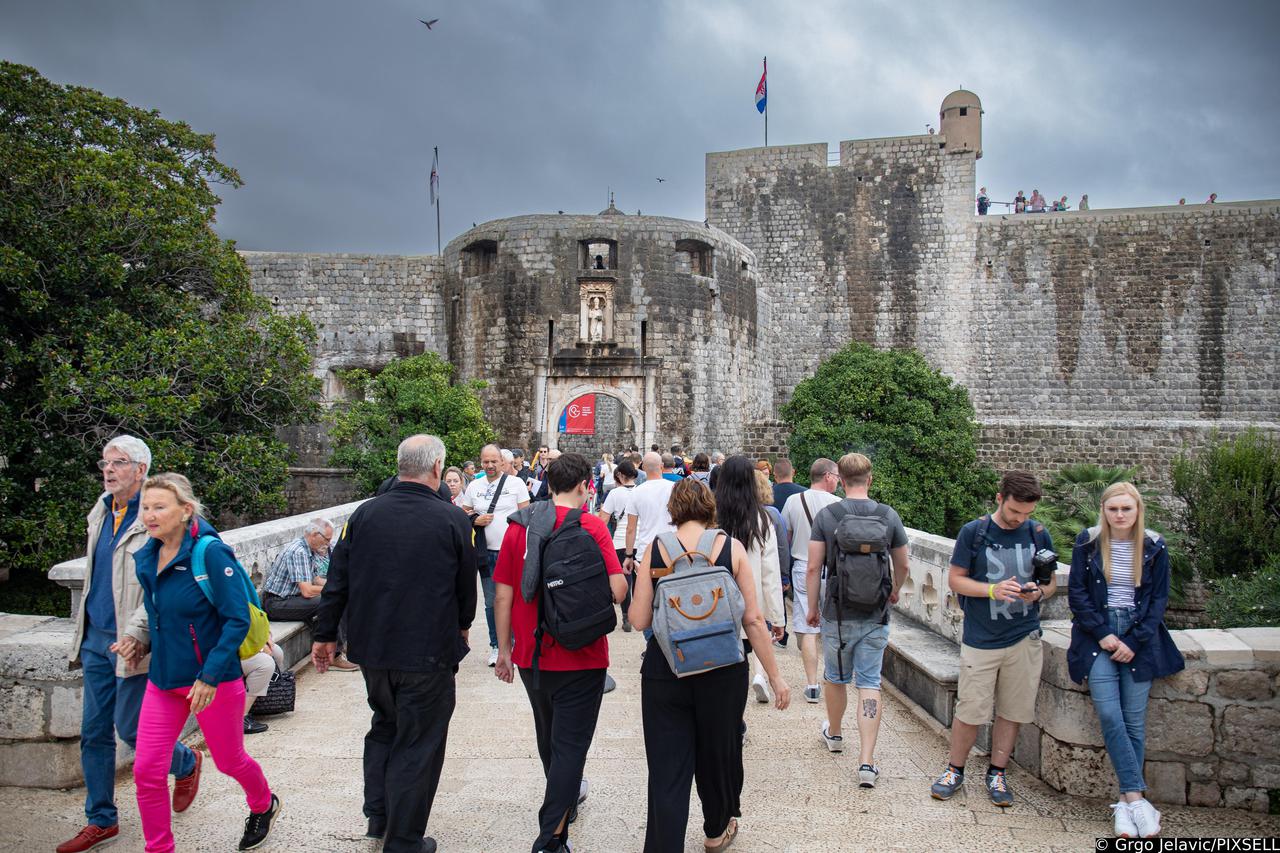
409, 592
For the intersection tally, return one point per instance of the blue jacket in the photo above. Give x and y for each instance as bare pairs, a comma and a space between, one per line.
190, 638
1154, 652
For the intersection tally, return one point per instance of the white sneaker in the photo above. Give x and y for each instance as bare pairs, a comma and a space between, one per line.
493, 656
812, 693
1124, 826
583, 788
867, 775
835, 743
1145, 817
761, 687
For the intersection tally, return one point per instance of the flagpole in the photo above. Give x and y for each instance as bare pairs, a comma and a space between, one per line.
437, 166
766, 102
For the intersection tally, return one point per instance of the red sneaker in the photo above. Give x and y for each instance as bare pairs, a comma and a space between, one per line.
90, 837
184, 790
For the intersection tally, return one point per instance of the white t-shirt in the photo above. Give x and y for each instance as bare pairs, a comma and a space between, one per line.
798, 522
616, 503
649, 506
480, 494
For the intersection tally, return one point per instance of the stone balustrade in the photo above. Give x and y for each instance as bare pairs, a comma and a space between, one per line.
40, 693
1213, 730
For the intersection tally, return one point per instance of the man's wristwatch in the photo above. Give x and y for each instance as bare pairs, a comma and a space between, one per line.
630, 555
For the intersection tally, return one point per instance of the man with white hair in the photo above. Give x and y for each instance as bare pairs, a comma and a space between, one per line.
409, 591
113, 692
291, 590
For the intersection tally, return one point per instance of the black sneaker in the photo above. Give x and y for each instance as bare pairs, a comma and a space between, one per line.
253, 727
257, 826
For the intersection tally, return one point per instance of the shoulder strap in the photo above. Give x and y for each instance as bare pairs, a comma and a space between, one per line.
980, 536
707, 542
1038, 536
502, 481
199, 568
805, 504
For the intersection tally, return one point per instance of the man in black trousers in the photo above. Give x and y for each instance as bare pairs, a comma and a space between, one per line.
405, 574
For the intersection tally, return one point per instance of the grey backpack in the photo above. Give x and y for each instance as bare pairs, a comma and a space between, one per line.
697, 609
859, 581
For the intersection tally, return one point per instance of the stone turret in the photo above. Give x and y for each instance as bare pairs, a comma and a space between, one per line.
961, 118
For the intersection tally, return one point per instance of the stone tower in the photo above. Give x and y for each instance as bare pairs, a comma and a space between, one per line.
961, 122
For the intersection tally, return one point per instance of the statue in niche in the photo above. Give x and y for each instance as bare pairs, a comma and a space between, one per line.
595, 319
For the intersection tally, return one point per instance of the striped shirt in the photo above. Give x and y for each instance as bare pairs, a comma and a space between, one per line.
1120, 587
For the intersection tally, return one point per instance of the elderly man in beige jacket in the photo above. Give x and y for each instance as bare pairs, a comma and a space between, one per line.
112, 691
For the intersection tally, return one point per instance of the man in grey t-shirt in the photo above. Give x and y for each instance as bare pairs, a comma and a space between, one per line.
853, 647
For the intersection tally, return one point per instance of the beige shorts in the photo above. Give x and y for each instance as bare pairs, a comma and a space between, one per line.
1009, 678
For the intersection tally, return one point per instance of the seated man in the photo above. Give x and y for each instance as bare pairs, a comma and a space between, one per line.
292, 587
258, 670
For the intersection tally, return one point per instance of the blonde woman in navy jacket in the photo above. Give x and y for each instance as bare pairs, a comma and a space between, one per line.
194, 641
1118, 591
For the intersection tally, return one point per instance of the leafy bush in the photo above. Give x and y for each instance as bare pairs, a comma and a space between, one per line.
915, 424
121, 310
410, 395
1232, 495
1246, 600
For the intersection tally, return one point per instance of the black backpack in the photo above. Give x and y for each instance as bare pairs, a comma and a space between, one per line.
575, 605
859, 580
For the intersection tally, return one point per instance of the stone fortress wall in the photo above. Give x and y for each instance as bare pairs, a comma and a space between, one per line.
1110, 336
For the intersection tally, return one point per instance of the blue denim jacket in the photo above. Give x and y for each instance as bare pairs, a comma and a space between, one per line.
1154, 652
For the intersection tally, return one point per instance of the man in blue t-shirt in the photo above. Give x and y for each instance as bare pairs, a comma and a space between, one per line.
992, 575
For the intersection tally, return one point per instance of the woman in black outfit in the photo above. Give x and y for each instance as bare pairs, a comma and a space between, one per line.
691, 725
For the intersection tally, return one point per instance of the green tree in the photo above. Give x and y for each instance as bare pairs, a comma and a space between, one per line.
121, 310
410, 395
915, 424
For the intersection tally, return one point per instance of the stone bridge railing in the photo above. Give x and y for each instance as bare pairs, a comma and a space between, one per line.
40, 701
1213, 730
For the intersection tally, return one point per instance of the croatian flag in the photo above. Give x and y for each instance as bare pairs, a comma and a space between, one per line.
761, 90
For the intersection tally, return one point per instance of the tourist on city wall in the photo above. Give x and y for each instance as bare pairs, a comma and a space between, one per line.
1118, 591
1084, 202
1002, 567
409, 591
1213, 198
1020, 203
984, 201
292, 587
799, 512
764, 493
692, 724
194, 633
863, 546
564, 685
1036, 204
454, 479
741, 515
112, 694
492, 498
614, 512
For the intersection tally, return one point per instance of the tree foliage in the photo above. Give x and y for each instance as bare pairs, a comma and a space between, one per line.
410, 395
915, 424
121, 310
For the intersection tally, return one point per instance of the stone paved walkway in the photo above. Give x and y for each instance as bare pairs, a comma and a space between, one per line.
798, 797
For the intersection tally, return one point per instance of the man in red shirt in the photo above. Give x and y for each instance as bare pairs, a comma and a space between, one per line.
566, 690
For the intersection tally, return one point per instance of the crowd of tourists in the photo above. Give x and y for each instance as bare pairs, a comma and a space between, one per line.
700, 554
1037, 203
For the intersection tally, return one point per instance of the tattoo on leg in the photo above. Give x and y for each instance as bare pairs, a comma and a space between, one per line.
869, 708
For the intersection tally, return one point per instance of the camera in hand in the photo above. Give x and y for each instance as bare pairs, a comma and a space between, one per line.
1044, 562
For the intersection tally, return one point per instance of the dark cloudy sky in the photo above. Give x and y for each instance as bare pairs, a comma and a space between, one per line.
330, 108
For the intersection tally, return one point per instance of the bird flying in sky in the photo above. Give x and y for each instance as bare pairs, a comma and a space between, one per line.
429, 23
662, 180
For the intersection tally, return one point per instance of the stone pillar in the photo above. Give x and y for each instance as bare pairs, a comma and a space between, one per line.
650, 414
539, 417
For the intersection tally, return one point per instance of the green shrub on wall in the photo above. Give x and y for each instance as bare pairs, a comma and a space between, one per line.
411, 395
915, 424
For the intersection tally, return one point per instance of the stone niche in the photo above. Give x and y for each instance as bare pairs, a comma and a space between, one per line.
595, 314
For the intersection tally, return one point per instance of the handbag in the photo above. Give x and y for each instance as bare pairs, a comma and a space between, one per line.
280, 695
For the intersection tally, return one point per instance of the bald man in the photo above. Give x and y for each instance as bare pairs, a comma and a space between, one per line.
647, 515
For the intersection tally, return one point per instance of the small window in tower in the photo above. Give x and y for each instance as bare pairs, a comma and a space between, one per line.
598, 254
480, 258
964, 111
695, 256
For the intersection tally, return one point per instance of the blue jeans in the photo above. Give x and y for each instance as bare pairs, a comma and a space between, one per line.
1121, 703
486, 586
853, 652
111, 707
